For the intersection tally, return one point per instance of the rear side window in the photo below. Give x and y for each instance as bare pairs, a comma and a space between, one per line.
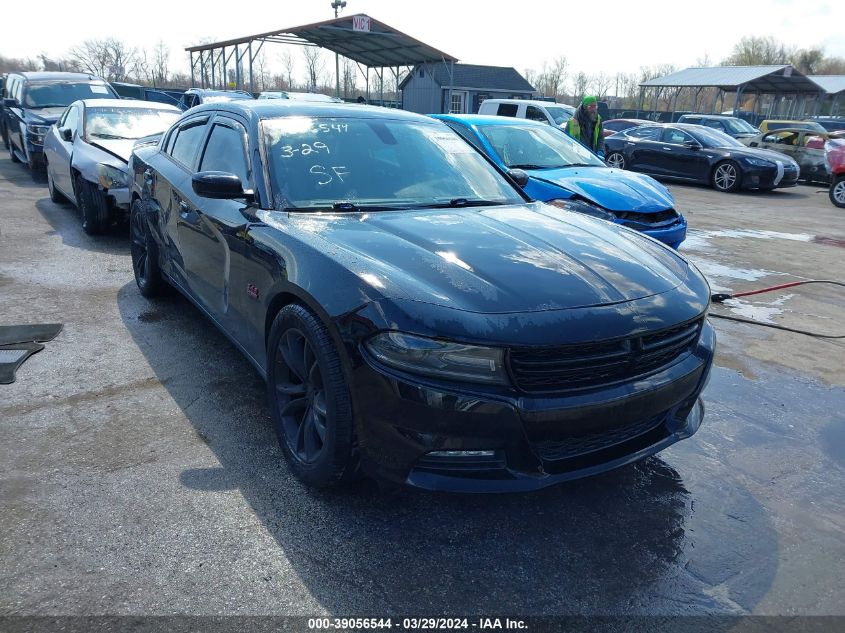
535, 114
225, 152
715, 123
507, 109
645, 133
187, 143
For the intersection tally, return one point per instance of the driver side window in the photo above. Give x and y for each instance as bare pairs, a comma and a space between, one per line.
71, 119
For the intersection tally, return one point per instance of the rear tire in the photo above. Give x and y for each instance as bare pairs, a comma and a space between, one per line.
837, 192
726, 177
616, 160
144, 251
309, 399
92, 207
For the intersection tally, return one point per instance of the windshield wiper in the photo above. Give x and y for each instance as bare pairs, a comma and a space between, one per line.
529, 166
110, 137
582, 165
49, 105
459, 203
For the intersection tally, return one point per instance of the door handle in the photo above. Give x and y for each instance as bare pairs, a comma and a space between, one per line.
148, 175
668, 149
184, 209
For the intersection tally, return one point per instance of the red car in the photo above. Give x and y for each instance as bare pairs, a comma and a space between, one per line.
834, 154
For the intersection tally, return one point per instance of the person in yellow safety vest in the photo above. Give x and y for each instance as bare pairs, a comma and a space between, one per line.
585, 125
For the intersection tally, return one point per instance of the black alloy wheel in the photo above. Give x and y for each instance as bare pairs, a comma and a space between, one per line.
616, 160
309, 399
144, 252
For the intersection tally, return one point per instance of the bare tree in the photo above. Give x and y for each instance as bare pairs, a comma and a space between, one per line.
260, 72
349, 77
600, 85
757, 51
109, 58
288, 65
315, 66
160, 64
579, 85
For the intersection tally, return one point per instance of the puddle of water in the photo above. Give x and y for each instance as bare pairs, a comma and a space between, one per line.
715, 269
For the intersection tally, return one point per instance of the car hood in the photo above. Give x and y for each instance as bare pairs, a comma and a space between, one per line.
120, 148
754, 152
613, 189
44, 116
520, 258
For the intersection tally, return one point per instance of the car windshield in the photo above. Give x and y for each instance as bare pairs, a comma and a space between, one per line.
63, 93
739, 126
126, 123
714, 138
537, 147
374, 164
558, 114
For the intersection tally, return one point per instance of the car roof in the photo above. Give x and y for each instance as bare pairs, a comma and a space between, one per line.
129, 103
797, 130
211, 91
534, 102
488, 119
630, 120
57, 76
276, 108
710, 116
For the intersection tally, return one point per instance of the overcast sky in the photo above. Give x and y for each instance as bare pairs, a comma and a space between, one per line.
610, 37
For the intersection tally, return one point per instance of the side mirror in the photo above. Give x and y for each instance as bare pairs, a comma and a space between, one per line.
220, 185
518, 176
10, 103
66, 133
693, 145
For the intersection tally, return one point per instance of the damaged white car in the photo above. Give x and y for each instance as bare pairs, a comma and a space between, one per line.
87, 152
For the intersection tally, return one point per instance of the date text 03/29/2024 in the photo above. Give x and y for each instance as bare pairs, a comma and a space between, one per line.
411, 624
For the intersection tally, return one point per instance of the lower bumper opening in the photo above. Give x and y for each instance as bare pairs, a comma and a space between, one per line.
463, 463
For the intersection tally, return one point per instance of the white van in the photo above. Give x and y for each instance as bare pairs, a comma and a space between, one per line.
556, 114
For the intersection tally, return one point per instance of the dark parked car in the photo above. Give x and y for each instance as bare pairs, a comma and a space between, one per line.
412, 312
694, 153
197, 96
144, 93
564, 173
35, 101
730, 125
613, 126
87, 152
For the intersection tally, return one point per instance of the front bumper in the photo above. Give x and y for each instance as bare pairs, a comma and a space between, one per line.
414, 432
672, 235
768, 178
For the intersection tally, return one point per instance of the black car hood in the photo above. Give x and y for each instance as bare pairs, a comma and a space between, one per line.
520, 258
43, 116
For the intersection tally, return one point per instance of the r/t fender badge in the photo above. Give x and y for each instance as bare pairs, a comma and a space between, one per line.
252, 291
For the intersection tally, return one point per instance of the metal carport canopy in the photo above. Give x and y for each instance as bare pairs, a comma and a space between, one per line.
380, 46
762, 79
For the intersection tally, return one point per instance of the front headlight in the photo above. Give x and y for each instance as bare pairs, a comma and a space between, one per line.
38, 130
759, 162
584, 207
439, 359
111, 177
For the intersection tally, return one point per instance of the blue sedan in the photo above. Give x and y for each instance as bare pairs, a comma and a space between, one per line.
564, 173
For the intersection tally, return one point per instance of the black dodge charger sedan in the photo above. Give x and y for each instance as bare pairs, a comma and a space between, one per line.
694, 153
415, 316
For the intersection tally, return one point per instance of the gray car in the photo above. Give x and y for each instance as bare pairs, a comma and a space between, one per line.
88, 150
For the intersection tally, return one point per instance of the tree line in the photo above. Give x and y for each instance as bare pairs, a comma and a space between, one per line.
312, 68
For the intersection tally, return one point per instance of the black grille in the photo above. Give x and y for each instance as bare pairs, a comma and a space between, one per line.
589, 365
655, 219
588, 443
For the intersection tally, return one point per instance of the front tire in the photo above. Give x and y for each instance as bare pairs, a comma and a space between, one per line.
837, 192
726, 177
144, 252
92, 207
616, 160
309, 399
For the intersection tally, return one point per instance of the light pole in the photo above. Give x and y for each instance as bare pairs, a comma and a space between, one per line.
338, 6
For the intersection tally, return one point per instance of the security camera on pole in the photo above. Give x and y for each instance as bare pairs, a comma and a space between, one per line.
338, 6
